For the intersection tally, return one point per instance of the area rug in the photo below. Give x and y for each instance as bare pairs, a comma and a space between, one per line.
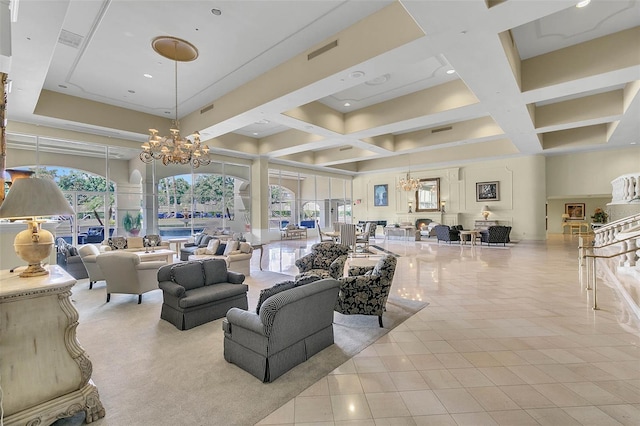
148, 372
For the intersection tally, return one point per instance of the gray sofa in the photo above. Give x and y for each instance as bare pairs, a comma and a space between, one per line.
201, 241
197, 292
290, 328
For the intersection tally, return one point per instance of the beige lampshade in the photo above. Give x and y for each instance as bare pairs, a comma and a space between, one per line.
30, 198
485, 211
565, 216
34, 197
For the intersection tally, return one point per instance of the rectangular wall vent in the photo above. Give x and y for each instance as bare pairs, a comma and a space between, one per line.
70, 39
322, 50
442, 129
207, 108
346, 148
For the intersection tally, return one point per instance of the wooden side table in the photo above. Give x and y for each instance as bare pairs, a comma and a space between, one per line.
46, 374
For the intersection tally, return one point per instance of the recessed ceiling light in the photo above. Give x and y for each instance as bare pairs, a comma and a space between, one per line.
451, 71
583, 3
62, 86
633, 143
148, 76
255, 133
216, 12
356, 74
378, 80
131, 91
263, 121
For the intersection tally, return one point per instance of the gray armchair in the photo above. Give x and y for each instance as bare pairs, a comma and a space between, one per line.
290, 328
326, 260
445, 233
68, 257
88, 254
366, 289
124, 273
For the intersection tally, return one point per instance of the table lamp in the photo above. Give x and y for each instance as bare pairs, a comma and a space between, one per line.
565, 216
30, 198
485, 212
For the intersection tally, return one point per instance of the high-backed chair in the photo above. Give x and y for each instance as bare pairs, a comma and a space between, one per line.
496, 234
348, 235
366, 289
323, 236
88, 253
124, 273
445, 233
326, 260
362, 239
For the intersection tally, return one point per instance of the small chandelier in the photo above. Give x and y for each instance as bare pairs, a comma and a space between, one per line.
174, 149
409, 183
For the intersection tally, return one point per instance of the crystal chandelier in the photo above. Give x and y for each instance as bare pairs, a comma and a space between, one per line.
409, 183
174, 149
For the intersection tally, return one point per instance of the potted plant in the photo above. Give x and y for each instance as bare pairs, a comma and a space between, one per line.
599, 216
132, 224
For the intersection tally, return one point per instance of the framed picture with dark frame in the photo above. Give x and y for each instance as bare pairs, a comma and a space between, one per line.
380, 195
574, 210
488, 191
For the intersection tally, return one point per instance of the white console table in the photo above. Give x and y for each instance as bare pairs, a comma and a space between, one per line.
484, 224
45, 374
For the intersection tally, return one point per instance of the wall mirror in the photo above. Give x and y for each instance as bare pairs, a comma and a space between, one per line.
428, 195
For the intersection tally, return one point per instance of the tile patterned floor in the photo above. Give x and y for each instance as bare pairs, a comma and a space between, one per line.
508, 338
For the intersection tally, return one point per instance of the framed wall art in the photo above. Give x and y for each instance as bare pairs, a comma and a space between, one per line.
380, 195
574, 210
487, 191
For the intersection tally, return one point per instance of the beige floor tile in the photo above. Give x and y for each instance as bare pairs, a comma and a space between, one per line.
377, 382
526, 396
344, 384
359, 422
440, 379
388, 349
435, 420
625, 414
594, 393
408, 380
397, 363
513, 418
552, 417
395, 421
560, 372
481, 359
348, 367
313, 409
508, 358
350, 407
493, 399
425, 362
561, 395
369, 365
470, 377
413, 348
474, 419
439, 346
453, 360
422, 403
622, 389
501, 376
458, 401
388, 404
531, 374
591, 416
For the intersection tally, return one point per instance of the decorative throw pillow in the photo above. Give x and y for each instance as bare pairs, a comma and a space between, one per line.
135, 242
118, 243
268, 292
212, 247
307, 279
73, 251
221, 248
231, 246
245, 247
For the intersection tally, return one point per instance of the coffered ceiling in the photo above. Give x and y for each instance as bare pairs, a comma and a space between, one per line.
347, 86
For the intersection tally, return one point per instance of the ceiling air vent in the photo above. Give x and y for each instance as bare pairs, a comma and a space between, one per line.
70, 39
322, 50
442, 129
207, 108
345, 148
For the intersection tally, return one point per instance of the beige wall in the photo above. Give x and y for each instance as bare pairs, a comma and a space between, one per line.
521, 204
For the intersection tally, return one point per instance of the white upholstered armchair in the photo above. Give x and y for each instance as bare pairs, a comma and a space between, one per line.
88, 253
124, 273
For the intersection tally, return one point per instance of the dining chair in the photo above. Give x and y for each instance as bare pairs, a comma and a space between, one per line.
348, 235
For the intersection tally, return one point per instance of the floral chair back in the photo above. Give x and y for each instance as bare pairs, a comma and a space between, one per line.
366, 289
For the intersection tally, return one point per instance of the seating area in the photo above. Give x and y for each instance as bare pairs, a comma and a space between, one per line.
125, 273
293, 232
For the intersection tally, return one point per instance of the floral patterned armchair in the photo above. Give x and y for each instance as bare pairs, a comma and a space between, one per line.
366, 289
326, 260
